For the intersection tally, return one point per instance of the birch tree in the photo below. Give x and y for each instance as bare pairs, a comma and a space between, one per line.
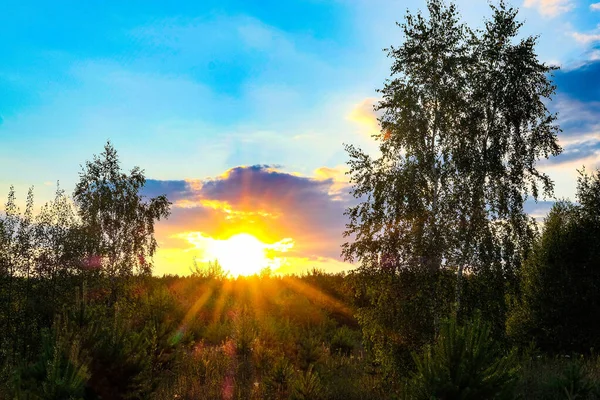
463, 122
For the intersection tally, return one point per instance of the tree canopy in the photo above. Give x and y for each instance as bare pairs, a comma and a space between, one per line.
560, 280
463, 124
118, 222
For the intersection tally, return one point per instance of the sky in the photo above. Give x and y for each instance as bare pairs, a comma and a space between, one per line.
238, 109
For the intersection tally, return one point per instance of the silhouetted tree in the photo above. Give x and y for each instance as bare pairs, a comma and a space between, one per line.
560, 281
118, 221
463, 124
17, 254
58, 260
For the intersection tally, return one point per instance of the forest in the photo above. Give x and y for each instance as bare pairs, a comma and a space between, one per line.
457, 293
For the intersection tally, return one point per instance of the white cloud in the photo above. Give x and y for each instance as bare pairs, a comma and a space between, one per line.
550, 8
595, 7
587, 38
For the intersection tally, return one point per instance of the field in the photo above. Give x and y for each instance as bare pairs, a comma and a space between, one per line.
211, 337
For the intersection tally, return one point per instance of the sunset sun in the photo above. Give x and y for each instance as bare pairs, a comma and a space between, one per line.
241, 254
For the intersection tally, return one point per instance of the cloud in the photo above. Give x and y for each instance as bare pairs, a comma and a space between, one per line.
578, 120
262, 200
580, 136
586, 38
364, 114
578, 154
538, 209
175, 190
580, 83
578, 106
595, 6
550, 8
337, 175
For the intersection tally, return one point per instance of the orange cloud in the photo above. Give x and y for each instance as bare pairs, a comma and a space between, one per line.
340, 182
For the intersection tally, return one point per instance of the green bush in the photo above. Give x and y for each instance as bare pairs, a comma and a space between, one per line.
60, 373
310, 351
280, 379
463, 363
343, 341
307, 386
557, 378
575, 384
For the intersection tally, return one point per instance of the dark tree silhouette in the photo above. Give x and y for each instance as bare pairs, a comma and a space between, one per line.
117, 220
560, 281
463, 125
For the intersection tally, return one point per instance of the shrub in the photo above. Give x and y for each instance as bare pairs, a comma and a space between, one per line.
60, 372
558, 378
310, 351
574, 383
244, 332
343, 341
307, 386
463, 363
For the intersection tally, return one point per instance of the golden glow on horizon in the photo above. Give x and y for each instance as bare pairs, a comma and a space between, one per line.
240, 254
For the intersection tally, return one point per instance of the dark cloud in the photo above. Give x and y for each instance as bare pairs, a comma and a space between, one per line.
582, 83
260, 186
578, 106
175, 190
575, 117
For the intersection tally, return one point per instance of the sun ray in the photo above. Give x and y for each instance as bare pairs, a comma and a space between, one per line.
192, 312
317, 295
222, 299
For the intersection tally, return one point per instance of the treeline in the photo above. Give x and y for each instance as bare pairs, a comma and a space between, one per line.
533, 336
83, 319
76, 330
99, 239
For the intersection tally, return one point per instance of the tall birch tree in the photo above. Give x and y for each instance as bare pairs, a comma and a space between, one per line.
463, 122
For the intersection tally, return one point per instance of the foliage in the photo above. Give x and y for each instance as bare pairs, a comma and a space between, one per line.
307, 386
463, 124
397, 312
343, 341
118, 222
560, 282
559, 377
280, 378
464, 363
213, 270
60, 372
439, 229
309, 351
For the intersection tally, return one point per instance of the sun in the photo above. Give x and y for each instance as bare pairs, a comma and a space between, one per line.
241, 254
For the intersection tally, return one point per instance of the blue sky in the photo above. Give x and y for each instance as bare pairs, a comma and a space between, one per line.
189, 90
